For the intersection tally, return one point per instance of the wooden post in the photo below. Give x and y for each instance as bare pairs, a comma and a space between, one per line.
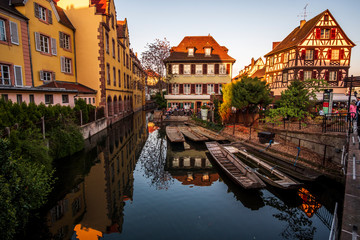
7, 129
81, 119
43, 126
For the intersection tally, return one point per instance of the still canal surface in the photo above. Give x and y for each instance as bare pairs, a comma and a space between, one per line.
130, 183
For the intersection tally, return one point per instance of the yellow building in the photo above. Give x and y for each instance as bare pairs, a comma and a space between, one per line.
103, 58
197, 67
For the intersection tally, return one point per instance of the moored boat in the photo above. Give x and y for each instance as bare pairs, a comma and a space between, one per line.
174, 134
208, 133
233, 167
187, 132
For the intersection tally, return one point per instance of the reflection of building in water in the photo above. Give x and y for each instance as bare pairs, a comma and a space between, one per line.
189, 170
97, 203
309, 204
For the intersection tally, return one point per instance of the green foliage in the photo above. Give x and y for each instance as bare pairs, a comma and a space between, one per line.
213, 126
24, 186
160, 100
296, 101
80, 104
205, 107
217, 105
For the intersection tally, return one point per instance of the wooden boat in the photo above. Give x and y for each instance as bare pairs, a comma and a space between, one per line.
297, 171
208, 133
268, 173
187, 132
174, 135
233, 167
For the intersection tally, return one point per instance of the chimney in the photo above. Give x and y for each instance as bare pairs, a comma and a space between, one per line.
302, 23
275, 44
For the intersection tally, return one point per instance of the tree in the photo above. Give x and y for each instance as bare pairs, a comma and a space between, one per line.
247, 95
153, 59
24, 186
297, 100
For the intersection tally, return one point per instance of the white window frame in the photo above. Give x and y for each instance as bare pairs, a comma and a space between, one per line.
20, 78
210, 88
66, 65
198, 69
222, 69
335, 54
44, 43
42, 13
51, 99
207, 52
175, 88
190, 52
2, 76
46, 76
66, 39
2, 30
210, 69
198, 89
65, 97
187, 69
309, 54
325, 33
332, 76
175, 69
187, 88
307, 75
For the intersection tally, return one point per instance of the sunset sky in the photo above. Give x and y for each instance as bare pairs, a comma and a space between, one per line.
246, 28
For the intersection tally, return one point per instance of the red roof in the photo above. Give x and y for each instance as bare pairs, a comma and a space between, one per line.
151, 73
199, 43
69, 86
63, 18
299, 34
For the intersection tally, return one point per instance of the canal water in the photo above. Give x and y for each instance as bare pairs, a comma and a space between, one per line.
130, 183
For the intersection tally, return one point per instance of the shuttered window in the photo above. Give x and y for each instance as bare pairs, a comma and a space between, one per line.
53, 46
204, 69
317, 33
228, 68
192, 88
2, 30
43, 13
66, 65
5, 75
333, 33
14, 33
192, 68
64, 41
216, 68
204, 89
18, 76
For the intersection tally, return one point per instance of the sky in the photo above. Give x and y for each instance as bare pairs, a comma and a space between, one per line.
247, 28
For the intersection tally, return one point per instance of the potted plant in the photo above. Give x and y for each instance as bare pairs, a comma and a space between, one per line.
204, 112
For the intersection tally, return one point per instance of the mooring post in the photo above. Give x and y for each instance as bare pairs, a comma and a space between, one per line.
43, 126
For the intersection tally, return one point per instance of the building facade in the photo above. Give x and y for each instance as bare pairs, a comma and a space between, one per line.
255, 69
317, 49
197, 68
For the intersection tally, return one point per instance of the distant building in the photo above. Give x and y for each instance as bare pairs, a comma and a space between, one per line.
197, 68
317, 49
254, 69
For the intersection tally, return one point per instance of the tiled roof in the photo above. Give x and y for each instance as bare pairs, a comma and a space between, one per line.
151, 73
69, 86
63, 18
299, 34
259, 73
180, 53
4, 5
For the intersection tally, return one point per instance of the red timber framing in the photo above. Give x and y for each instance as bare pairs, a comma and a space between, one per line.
318, 49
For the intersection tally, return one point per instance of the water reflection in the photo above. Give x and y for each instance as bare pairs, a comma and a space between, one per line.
95, 204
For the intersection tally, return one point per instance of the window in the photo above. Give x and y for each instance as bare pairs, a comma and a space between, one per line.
113, 48
210, 70
210, 88
198, 88
114, 76
207, 52
190, 52
65, 98
44, 44
49, 99
307, 75
119, 75
18, 98
186, 88
220, 88
309, 55
332, 76
42, 13
93, 100
199, 69
175, 69
335, 54
187, 69
18, 75
285, 77
271, 61
175, 89
107, 42
5, 75
325, 33
64, 41
118, 52
66, 65
286, 57
222, 69
108, 74
5, 97
31, 98
2, 30
46, 76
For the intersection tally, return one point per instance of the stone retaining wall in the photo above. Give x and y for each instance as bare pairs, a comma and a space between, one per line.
93, 128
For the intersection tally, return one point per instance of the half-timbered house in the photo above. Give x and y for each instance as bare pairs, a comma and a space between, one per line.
317, 49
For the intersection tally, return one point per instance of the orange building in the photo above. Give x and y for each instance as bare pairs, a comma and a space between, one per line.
255, 69
317, 49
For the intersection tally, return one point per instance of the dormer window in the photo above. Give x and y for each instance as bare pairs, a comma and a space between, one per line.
207, 52
190, 52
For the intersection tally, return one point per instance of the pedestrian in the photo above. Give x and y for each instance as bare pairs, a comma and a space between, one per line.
352, 110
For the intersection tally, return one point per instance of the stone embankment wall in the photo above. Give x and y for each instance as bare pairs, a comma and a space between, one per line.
330, 144
93, 128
